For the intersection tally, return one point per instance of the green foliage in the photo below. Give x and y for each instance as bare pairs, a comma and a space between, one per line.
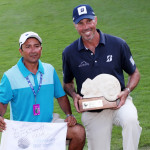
52, 20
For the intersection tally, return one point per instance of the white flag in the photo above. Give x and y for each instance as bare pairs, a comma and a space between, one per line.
33, 136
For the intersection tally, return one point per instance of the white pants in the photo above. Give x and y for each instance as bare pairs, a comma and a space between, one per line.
98, 126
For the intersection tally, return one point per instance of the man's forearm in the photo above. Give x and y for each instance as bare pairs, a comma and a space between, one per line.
65, 104
3, 108
133, 80
69, 89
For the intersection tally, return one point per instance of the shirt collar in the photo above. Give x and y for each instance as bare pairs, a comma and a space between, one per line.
102, 40
25, 71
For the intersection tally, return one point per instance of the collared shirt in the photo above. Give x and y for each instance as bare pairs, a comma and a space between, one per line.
112, 56
15, 89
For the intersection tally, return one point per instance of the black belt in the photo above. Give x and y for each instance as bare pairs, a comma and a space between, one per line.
98, 110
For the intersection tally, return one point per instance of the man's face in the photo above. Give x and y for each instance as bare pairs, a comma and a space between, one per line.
87, 28
31, 50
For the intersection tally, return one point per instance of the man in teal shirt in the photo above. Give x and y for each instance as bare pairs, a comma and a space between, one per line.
30, 86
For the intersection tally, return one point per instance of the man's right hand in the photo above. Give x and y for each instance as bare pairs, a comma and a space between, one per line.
2, 124
76, 99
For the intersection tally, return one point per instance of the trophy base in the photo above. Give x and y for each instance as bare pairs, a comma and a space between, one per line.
86, 104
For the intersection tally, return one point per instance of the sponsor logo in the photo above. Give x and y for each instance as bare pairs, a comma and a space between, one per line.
82, 10
109, 58
132, 61
83, 64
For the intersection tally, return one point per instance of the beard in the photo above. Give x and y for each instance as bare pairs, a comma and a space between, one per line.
88, 34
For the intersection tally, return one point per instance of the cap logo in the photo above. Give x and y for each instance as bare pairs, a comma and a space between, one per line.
82, 10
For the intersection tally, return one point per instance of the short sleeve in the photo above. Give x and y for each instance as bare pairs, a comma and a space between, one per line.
6, 93
128, 63
67, 73
58, 90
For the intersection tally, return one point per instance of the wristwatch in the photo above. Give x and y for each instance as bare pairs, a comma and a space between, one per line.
128, 89
69, 115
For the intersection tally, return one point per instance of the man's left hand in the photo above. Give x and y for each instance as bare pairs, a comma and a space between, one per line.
71, 120
122, 96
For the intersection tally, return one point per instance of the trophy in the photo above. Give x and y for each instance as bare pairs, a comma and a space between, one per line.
100, 93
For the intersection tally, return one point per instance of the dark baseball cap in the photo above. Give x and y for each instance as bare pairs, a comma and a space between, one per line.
83, 11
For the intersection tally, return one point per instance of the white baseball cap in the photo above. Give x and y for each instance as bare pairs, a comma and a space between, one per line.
27, 35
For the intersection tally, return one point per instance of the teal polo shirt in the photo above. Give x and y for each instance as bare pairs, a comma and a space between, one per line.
15, 89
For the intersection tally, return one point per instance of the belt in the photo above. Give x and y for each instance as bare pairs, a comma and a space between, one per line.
98, 110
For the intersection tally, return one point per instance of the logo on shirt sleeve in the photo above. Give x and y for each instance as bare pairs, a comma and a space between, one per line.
109, 58
132, 61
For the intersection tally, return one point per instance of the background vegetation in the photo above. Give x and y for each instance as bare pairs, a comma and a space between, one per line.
52, 20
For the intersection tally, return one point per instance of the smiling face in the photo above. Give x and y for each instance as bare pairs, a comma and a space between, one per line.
31, 51
87, 28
